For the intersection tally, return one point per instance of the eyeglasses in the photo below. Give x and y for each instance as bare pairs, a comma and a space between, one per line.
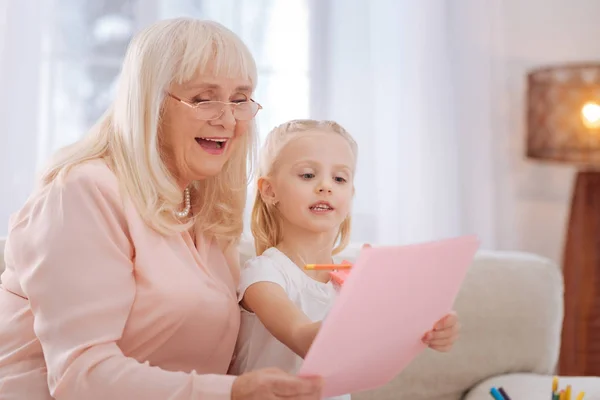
210, 110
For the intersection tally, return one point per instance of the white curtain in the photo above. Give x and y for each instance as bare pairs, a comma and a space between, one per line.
21, 47
59, 60
433, 90
412, 82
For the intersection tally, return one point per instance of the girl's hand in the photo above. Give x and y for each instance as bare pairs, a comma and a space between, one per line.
444, 333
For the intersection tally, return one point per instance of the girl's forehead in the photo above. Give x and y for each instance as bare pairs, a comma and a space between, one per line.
322, 147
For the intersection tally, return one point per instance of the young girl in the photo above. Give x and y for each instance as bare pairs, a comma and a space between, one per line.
301, 216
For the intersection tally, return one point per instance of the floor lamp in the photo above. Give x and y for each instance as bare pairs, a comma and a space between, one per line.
563, 124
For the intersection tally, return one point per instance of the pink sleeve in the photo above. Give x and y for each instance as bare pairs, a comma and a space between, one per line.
76, 270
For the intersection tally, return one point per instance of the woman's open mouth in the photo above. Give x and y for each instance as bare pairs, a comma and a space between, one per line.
212, 145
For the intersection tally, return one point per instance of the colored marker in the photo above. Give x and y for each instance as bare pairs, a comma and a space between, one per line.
326, 267
503, 393
580, 395
554, 384
496, 394
568, 392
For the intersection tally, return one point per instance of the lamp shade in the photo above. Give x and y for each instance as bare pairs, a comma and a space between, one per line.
563, 114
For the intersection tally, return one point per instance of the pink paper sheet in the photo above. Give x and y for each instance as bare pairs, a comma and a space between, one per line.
392, 296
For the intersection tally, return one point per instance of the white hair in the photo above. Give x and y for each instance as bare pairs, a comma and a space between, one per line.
126, 136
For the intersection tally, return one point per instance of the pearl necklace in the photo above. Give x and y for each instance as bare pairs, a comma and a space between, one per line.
187, 204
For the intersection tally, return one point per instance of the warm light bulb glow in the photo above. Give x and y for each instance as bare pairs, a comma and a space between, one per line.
590, 115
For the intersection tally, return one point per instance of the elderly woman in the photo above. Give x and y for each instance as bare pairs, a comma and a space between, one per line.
121, 268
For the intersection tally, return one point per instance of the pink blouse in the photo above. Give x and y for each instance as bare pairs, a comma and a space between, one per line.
96, 305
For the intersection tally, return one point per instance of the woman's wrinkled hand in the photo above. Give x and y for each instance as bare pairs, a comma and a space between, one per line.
272, 384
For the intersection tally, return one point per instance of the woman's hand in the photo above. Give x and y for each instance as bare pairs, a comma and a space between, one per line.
444, 333
272, 384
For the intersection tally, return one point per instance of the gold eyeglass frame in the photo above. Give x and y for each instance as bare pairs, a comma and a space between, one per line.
224, 103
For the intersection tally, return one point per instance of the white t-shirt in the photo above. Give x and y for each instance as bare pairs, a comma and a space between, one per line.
256, 348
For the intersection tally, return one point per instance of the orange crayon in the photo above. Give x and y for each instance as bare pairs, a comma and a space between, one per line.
326, 267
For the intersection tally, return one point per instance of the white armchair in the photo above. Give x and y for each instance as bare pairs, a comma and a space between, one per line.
511, 310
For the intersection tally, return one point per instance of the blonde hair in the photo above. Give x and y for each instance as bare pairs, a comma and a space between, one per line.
265, 221
126, 136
